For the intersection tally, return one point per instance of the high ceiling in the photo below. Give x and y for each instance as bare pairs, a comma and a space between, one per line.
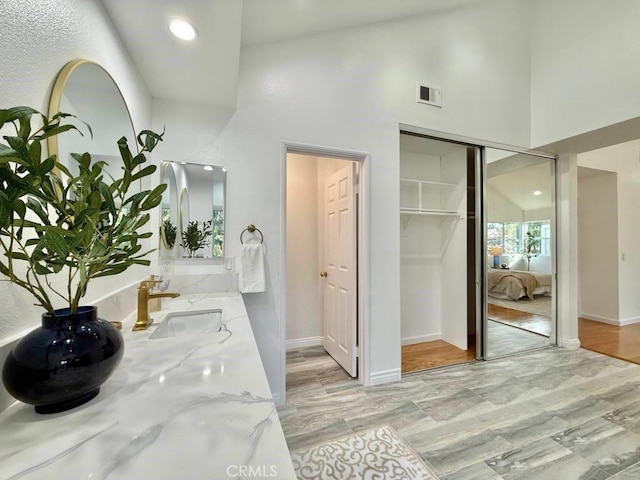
206, 71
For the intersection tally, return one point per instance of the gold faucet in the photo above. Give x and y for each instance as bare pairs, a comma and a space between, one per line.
144, 295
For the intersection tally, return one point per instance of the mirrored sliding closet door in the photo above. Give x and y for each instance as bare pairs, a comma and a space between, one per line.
520, 252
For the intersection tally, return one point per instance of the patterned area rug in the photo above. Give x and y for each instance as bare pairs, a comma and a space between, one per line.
374, 454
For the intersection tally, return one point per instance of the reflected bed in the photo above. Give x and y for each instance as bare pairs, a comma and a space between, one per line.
516, 284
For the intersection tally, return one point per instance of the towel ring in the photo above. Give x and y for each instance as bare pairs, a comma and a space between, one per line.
251, 228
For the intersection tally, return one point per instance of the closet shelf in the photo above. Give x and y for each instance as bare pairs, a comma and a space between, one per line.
430, 211
433, 186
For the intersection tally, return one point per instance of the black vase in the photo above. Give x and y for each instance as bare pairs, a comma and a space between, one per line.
63, 363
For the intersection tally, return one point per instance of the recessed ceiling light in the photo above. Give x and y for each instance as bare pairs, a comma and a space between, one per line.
182, 29
208, 167
537, 192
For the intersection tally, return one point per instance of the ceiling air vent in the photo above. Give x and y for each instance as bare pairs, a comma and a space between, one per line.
429, 94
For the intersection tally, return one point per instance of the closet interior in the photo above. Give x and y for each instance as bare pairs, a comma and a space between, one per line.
438, 244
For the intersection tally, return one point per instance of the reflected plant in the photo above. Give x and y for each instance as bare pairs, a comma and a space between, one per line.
194, 238
170, 233
531, 247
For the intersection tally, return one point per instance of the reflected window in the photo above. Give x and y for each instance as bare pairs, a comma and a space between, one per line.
218, 232
520, 238
508, 236
540, 233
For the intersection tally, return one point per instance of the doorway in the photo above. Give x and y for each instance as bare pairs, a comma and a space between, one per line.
608, 195
323, 218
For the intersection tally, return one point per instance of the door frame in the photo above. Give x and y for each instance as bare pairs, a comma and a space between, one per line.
363, 209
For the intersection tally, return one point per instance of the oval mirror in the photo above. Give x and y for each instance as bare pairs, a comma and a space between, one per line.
86, 90
169, 214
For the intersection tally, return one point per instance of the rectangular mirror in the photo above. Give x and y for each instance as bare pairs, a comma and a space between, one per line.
192, 211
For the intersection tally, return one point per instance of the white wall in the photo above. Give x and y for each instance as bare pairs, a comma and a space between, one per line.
350, 89
623, 159
598, 246
538, 214
420, 250
304, 302
584, 65
454, 253
38, 38
500, 209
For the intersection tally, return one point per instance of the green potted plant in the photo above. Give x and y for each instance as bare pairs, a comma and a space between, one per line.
60, 229
194, 238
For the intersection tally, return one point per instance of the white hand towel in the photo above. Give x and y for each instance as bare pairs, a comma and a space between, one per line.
252, 269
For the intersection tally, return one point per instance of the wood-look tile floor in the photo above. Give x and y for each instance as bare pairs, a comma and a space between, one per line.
550, 414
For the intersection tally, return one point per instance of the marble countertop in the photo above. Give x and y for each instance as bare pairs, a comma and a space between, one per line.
192, 407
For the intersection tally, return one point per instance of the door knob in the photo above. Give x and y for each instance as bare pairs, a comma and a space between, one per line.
324, 274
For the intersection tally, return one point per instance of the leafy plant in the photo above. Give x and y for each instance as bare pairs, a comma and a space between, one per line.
531, 247
51, 222
170, 232
194, 238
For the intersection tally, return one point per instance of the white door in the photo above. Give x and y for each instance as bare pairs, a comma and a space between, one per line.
340, 274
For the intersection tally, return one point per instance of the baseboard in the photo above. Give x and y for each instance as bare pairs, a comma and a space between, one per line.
385, 376
611, 321
629, 321
570, 343
295, 343
421, 338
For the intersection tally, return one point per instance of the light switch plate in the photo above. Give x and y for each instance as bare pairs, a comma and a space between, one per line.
229, 263
166, 266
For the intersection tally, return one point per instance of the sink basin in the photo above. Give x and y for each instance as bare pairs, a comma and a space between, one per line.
178, 324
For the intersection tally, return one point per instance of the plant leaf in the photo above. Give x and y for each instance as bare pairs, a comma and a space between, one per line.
16, 113
18, 256
154, 198
41, 269
148, 170
56, 243
20, 146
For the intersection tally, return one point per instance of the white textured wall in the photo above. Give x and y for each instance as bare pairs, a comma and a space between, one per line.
585, 69
598, 246
350, 89
38, 38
